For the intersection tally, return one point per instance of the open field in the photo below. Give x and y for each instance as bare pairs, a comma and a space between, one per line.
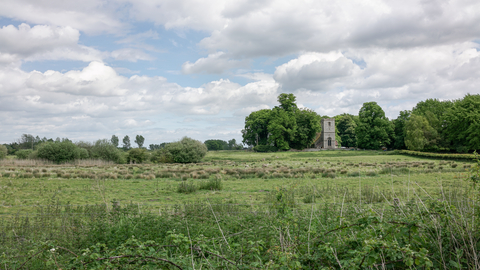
241, 210
245, 177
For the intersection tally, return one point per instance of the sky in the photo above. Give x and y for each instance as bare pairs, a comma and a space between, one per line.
164, 69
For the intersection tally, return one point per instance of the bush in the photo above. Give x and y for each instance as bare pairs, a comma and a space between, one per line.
161, 156
187, 150
137, 155
82, 153
265, 148
3, 151
58, 151
24, 153
105, 150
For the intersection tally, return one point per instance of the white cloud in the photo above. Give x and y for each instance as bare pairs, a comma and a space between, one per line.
89, 16
43, 42
214, 63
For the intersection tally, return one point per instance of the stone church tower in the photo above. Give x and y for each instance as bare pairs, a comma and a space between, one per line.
327, 137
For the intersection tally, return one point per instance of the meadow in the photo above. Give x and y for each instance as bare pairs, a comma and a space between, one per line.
241, 210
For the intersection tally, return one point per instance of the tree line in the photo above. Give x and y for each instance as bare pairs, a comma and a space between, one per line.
432, 125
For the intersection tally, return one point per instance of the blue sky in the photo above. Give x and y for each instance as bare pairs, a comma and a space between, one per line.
167, 69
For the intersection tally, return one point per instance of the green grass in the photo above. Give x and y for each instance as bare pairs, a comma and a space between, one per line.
246, 177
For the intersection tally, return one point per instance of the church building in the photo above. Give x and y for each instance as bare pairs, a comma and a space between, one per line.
326, 140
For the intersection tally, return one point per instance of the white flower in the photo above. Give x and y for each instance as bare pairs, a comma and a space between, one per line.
52, 250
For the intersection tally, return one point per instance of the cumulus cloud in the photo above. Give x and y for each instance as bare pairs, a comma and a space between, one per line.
99, 100
43, 42
89, 16
215, 63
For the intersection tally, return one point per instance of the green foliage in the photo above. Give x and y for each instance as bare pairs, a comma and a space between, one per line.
265, 148
161, 155
308, 124
213, 145
419, 133
187, 150
137, 155
126, 143
373, 130
256, 128
139, 140
399, 129
282, 128
435, 112
3, 151
105, 150
115, 140
463, 123
58, 152
346, 125
23, 154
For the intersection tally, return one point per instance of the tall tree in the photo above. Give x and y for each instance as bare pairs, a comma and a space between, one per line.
308, 125
374, 129
282, 128
256, 128
399, 129
435, 112
114, 140
463, 123
418, 133
139, 140
126, 143
346, 125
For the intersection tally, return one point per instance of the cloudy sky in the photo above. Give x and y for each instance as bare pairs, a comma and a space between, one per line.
170, 68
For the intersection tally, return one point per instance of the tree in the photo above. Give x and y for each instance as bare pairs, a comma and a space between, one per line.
3, 151
463, 123
213, 145
281, 128
346, 125
126, 143
399, 129
139, 140
435, 112
374, 129
187, 150
105, 150
418, 132
256, 128
287, 102
114, 140
308, 125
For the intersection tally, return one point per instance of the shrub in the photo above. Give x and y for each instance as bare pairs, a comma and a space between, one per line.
58, 151
265, 148
187, 150
105, 150
3, 151
24, 153
137, 155
161, 156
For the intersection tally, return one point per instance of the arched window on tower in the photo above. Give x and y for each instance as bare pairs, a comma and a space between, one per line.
329, 141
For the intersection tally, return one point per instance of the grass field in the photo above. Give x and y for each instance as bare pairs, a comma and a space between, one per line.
287, 206
246, 178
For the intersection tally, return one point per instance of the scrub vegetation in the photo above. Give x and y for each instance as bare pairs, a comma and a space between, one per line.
242, 210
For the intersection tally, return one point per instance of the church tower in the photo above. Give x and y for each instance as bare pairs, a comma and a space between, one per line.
327, 137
